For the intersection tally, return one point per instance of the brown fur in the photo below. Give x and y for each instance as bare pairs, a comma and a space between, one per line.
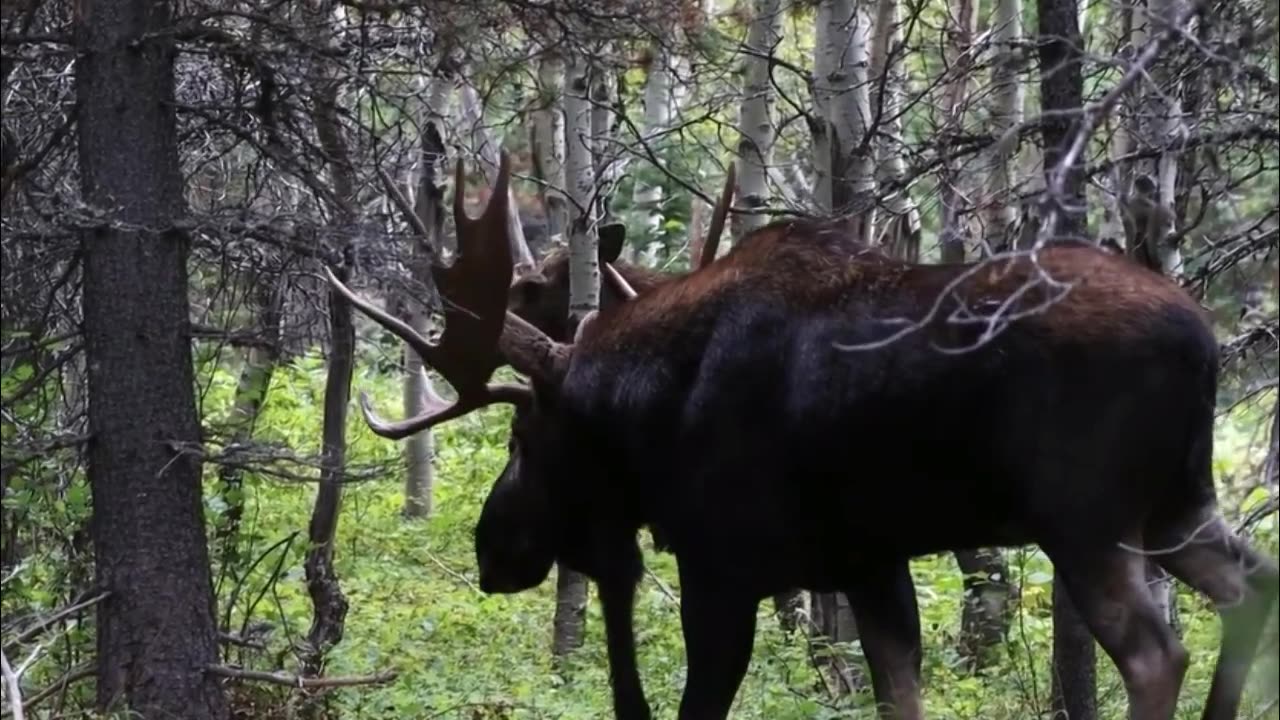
793, 263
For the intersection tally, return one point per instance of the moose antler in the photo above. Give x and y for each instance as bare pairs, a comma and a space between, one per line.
718, 215
474, 290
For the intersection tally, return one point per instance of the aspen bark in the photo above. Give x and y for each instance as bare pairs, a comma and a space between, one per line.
755, 146
584, 296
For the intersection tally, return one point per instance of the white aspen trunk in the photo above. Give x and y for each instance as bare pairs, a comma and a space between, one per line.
657, 114
1124, 133
488, 149
899, 233
584, 296
1000, 214
548, 145
603, 152
419, 449
843, 32
826, 54
755, 147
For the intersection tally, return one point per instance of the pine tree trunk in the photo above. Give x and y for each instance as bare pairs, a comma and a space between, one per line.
1062, 99
157, 631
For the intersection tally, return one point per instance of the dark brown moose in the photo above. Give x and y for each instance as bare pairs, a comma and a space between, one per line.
717, 406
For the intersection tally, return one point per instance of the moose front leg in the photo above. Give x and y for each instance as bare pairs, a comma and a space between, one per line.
719, 628
883, 601
617, 603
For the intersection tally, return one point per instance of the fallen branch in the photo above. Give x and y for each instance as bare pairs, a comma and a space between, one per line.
40, 626
298, 681
12, 684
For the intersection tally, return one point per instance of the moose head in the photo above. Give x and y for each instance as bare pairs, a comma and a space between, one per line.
476, 288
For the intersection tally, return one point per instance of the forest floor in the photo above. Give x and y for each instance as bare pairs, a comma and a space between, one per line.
415, 607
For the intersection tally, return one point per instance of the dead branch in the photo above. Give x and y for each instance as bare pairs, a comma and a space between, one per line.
298, 681
44, 623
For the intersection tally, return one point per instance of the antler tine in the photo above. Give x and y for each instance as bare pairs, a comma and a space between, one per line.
471, 396
718, 216
477, 323
619, 283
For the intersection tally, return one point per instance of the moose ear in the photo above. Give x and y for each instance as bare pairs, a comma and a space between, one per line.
612, 236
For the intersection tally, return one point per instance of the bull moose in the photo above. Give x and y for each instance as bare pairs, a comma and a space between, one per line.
1068, 394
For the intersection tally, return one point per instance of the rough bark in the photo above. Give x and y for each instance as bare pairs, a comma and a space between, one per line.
327, 599
1061, 54
584, 296
1061, 99
157, 631
755, 146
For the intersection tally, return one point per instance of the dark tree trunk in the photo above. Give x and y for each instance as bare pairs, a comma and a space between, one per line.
329, 603
1062, 100
1075, 669
156, 633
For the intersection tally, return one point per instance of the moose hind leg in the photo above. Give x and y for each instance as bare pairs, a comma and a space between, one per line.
1108, 587
1204, 553
884, 605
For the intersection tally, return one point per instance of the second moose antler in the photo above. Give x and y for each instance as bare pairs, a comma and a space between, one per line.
474, 289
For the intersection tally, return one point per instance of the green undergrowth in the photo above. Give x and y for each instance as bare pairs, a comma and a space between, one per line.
415, 609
